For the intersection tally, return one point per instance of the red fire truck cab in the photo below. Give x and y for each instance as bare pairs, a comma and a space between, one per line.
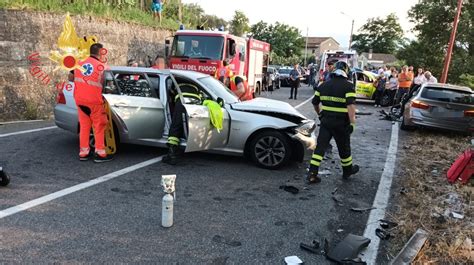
204, 51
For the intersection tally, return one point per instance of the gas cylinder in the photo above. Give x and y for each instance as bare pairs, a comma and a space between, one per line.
167, 211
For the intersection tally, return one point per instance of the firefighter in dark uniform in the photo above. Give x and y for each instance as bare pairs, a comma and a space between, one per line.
191, 95
337, 115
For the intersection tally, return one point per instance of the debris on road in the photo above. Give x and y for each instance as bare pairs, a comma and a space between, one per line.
325, 172
411, 249
382, 234
337, 199
385, 224
290, 189
348, 249
4, 177
313, 247
293, 260
361, 210
229, 242
456, 215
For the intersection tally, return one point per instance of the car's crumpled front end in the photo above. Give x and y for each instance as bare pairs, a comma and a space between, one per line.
304, 134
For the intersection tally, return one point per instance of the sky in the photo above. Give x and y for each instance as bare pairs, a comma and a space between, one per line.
322, 18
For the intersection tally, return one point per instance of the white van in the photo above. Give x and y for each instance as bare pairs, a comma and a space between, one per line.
350, 57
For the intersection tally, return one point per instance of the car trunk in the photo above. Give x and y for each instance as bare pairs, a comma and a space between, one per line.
447, 104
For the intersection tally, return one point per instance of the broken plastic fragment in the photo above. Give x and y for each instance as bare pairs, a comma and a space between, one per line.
293, 260
348, 249
290, 189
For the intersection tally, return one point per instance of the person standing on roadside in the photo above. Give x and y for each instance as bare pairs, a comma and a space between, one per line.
405, 78
156, 8
295, 81
429, 78
392, 85
379, 89
90, 105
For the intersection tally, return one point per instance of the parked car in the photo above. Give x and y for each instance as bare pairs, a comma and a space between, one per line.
269, 132
284, 73
440, 106
272, 77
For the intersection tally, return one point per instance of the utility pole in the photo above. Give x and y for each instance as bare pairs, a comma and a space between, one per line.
306, 47
350, 38
447, 59
352, 29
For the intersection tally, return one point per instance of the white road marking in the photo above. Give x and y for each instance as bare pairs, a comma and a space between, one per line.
304, 102
381, 199
81, 186
28, 131
13, 122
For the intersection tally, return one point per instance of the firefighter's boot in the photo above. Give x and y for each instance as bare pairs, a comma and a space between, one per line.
350, 170
313, 177
172, 157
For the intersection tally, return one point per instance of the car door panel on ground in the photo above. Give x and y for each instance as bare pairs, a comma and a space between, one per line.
138, 102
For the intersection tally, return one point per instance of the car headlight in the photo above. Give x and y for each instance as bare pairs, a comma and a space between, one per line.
306, 128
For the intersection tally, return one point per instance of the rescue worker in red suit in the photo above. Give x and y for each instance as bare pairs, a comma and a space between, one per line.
223, 72
90, 104
240, 87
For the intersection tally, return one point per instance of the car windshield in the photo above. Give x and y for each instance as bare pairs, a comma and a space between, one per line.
203, 47
448, 95
219, 89
284, 71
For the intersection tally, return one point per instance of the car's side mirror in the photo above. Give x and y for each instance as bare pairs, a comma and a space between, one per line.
220, 101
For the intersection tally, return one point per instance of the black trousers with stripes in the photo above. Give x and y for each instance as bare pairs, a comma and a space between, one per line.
340, 130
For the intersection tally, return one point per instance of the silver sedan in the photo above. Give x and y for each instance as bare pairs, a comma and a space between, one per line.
441, 106
271, 133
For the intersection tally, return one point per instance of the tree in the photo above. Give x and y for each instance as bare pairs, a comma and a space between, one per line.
285, 40
380, 35
239, 24
433, 21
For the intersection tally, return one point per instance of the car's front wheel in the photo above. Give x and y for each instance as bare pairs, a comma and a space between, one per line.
270, 149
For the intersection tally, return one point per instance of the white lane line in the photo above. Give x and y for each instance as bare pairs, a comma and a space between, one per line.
304, 102
81, 186
28, 131
13, 122
381, 199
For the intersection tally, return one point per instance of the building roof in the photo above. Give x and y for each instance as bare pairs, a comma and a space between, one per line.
316, 41
384, 57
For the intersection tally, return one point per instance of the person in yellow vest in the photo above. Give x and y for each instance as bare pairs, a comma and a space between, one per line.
223, 72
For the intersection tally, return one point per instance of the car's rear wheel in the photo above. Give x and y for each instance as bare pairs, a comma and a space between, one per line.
270, 149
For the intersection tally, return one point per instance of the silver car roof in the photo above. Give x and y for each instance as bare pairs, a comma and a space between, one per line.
449, 86
189, 74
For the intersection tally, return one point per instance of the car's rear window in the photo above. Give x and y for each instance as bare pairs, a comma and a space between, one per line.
448, 95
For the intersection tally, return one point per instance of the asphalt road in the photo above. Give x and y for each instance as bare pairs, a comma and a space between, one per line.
227, 211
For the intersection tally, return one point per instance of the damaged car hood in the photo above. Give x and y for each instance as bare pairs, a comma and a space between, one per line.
270, 107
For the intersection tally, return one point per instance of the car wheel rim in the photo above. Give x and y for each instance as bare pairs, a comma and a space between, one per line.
270, 151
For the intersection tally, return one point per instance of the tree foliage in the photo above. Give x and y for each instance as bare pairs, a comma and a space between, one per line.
433, 21
286, 41
382, 35
239, 25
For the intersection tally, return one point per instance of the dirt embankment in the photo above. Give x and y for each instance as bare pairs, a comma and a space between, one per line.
426, 200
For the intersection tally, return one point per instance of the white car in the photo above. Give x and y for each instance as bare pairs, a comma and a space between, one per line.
270, 132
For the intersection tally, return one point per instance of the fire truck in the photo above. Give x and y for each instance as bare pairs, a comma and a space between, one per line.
204, 51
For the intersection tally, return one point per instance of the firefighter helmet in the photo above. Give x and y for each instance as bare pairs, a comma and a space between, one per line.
341, 68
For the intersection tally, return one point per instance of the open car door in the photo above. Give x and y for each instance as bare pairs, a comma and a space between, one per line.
200, 133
